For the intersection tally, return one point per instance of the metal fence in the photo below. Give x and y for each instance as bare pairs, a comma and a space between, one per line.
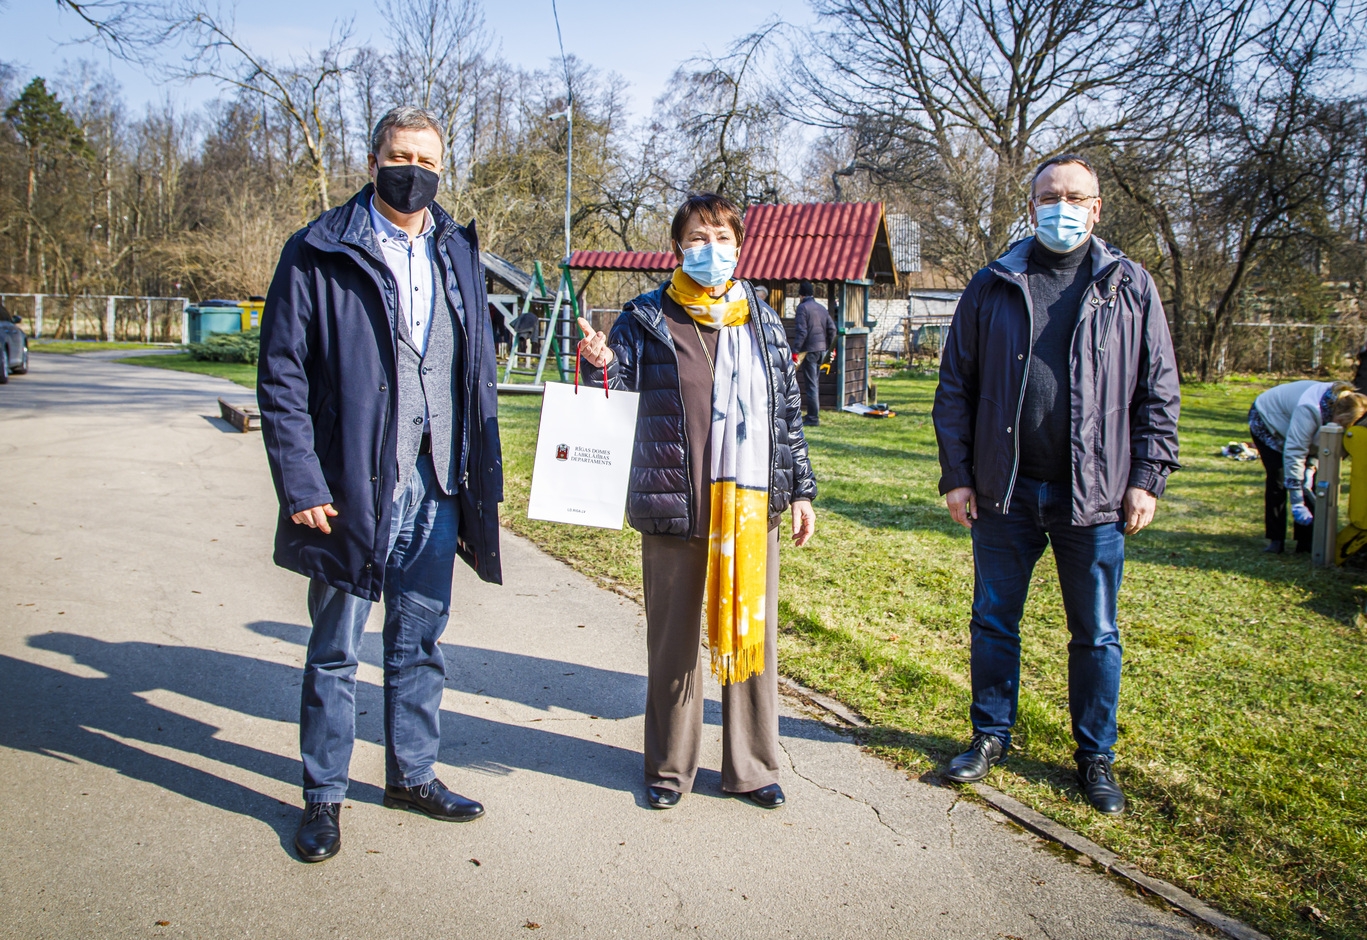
1290, 348
1329, 349
101, 316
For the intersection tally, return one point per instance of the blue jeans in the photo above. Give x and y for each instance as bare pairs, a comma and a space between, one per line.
417, 603
1090, 561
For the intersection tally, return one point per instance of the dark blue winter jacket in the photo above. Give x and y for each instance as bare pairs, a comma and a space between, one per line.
327, 391
1123, 389
659, 497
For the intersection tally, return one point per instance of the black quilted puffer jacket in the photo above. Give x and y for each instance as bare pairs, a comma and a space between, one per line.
659, 498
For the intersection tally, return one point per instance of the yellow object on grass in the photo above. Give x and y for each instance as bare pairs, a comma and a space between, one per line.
1352, 538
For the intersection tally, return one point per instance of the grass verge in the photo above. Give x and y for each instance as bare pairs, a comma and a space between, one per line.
68, 347
1242, 705
242, 373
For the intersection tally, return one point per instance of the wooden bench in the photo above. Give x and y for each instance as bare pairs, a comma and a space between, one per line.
243, 417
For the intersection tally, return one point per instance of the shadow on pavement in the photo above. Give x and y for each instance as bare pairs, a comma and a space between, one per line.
104, 720
537, 682
51, 712
220, 425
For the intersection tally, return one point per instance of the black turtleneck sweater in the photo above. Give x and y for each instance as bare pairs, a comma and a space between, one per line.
1058, 284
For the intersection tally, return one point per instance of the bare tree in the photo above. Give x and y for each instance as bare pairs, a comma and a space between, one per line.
724, 126
986, 87
122, 26
300, 90
1246, 172
439, 47
369, 77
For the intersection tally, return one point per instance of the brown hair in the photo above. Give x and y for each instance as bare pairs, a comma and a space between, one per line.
1349, 408
712, 210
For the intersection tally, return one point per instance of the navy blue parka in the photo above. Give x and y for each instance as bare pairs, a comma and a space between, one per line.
328, 395
1123, 390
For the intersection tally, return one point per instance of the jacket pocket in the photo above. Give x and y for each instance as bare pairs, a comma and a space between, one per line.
325, 430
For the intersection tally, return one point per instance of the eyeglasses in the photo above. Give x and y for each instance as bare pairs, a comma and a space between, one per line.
1073, 199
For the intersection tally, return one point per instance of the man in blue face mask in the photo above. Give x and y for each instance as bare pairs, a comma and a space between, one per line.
1056, 417
379, 413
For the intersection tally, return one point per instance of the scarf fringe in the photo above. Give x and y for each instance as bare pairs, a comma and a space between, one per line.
744, 663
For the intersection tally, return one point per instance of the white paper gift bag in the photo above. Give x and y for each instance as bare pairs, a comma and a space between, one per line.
583, 455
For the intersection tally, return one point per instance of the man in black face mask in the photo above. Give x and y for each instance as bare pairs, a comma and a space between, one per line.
380, 418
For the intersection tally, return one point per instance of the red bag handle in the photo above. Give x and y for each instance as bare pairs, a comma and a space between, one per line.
578, 363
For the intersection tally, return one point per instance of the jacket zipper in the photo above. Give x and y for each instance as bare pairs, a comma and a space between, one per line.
1020, 401
1110, 318
668, 340
462, 468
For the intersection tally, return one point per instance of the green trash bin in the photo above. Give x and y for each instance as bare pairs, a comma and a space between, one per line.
213, 316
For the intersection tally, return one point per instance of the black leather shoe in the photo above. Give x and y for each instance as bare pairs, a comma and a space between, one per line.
320, 833
433, 799
662, 797
811, 422
972, 765
770, 797
1096, 777
1275, 546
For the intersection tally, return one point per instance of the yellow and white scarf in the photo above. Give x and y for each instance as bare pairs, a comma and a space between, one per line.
738, 544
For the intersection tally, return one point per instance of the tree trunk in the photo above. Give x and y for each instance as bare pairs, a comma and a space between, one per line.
322, 176
28, 219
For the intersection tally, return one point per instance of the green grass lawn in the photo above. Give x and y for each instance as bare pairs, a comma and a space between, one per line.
239, 372
1242, 704
67, 347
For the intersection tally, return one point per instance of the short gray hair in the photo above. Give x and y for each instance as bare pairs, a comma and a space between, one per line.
1060, 160
406, 116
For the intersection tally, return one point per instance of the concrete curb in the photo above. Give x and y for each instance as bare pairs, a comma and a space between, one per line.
1048, 829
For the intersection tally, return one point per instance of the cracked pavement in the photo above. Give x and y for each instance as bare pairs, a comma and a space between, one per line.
149, 676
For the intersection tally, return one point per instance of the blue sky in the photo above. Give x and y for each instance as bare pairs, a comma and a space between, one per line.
642, 42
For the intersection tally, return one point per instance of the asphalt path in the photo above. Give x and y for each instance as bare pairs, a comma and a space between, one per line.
149, 687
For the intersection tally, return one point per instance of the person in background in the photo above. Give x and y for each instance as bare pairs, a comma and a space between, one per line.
1284, 422
719, 457
761, 292
1056, 417
380, 420
815, 335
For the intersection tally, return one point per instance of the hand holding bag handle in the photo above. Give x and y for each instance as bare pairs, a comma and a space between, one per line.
579, 357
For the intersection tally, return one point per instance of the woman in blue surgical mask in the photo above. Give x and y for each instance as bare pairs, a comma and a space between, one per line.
719, 459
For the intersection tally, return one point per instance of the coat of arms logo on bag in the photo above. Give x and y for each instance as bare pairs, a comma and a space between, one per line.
562, 451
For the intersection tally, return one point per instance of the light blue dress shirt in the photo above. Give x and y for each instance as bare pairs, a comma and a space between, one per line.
410, 261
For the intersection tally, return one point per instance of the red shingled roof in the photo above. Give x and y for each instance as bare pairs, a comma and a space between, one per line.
824, 241
661, 261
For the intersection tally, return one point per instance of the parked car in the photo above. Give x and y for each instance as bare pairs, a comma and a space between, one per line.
13, 346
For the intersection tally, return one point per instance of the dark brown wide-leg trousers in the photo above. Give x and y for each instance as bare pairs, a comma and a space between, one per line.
675, 581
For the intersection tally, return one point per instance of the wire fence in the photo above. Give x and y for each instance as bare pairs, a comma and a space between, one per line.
1290, 348
101, 316
917, 331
